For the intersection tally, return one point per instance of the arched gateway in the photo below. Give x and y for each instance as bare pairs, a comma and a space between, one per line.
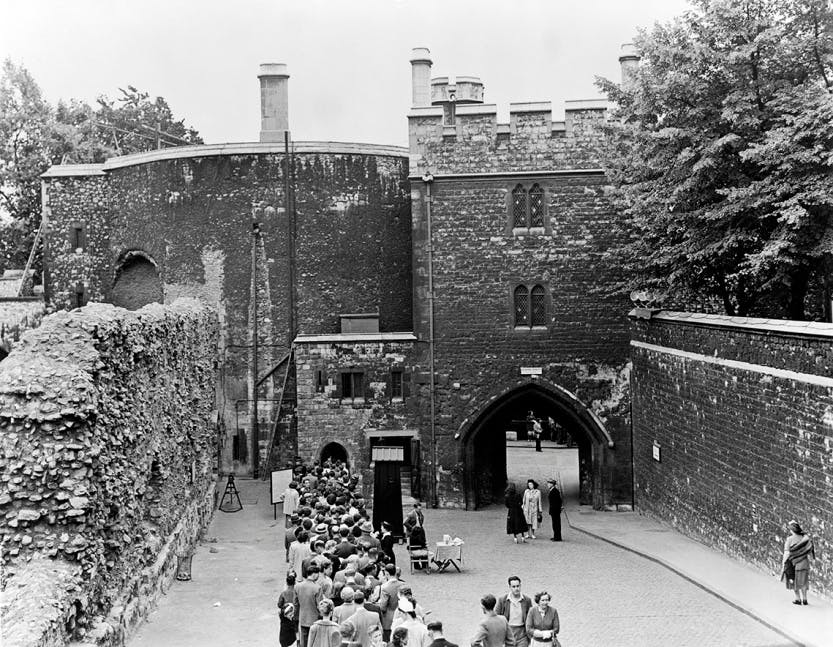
484, 441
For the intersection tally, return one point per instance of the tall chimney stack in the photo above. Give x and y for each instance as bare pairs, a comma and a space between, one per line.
628, 62
274, 101
421, 77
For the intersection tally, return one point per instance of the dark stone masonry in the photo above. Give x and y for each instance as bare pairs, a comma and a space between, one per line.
741, 413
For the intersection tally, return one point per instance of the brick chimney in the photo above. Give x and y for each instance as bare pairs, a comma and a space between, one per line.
628, 62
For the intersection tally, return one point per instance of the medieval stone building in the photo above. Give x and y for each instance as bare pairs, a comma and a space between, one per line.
396, 305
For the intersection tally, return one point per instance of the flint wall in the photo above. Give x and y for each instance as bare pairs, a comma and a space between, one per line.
108, 449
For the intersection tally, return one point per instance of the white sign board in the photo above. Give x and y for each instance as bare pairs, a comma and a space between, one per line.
531, 370
280, 481
656, 451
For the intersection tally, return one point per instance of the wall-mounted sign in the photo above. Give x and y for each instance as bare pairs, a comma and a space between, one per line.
656, 451
531, 370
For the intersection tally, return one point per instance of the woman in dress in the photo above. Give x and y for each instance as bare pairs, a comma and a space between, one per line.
798, 548
515, 521
286, 611
532, 507
542, 622
324, 632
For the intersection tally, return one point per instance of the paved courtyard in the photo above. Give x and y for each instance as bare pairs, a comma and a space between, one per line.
604, 595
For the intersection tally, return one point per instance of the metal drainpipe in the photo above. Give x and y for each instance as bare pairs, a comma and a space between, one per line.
428, 179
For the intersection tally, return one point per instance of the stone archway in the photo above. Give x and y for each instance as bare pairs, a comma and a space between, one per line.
336, 451
483, 445
137, 281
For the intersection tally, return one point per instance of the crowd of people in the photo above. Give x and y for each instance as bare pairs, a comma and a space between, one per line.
343, 586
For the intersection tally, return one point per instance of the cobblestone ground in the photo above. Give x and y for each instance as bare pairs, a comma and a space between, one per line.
605, 596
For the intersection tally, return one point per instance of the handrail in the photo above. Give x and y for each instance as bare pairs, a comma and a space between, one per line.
274, 434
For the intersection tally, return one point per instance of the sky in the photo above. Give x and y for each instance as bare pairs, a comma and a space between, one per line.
350, 78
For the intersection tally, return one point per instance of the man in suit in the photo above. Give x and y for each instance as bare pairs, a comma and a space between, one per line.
307, 596
514, 606
389, 599
435, 631
493, 630
556, 504
357, 628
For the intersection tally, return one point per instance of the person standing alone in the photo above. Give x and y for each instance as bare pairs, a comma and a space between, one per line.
556, 504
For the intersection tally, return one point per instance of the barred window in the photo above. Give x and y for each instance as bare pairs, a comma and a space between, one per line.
539, 306
528, 208
521, 306
396, 392
519, 206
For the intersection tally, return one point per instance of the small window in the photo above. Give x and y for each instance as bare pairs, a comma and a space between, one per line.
519, 206
521, 306
396, 385
536, 206
320, 381
352, 385
528, 208
538, 306
78, 237
529, 306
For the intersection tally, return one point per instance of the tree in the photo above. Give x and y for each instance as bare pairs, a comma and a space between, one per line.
134, 123
719, 155
25, 122
34, 135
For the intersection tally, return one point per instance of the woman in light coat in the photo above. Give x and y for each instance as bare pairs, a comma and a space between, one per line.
532, 507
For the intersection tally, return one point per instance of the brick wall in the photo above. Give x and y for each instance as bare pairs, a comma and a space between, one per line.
742, 410
108, 449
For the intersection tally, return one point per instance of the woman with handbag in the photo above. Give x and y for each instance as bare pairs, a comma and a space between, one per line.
542, 623
798, 548
533, 512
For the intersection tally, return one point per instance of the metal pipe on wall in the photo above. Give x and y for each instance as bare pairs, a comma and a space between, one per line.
428, 179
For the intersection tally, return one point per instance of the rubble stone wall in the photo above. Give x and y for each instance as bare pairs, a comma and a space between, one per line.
108, 439
741, 413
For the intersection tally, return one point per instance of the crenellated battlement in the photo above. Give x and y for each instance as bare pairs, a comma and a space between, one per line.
531, 140
452, 130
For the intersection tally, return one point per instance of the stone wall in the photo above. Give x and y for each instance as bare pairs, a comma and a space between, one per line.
480, 257
477, 144
325, 415
108, 436
188, 212
742, 413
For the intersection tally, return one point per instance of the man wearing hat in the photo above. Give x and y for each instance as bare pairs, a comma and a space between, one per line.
556, 505
435, 632
367, 540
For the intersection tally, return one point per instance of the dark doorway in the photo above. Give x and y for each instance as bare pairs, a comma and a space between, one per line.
387, 496
137, 282
573, 445
334, 451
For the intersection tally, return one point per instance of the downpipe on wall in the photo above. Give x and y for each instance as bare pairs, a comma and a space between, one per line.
428, 179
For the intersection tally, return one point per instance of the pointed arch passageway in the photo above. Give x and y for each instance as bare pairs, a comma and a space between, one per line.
503, 423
